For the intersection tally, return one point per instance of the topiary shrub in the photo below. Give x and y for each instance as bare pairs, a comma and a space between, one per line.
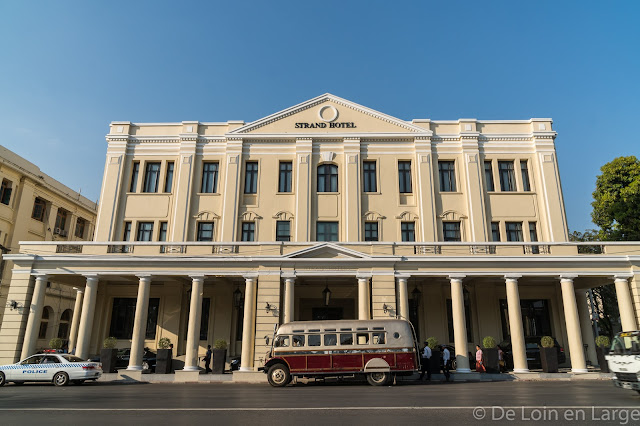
432, 342
220, 344
110, 343
164, 343
489, 342
56, 343
603, 342
547, 342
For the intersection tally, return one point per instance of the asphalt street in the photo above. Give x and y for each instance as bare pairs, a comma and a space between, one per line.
577, 402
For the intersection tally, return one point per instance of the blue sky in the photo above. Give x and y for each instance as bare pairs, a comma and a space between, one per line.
67, 69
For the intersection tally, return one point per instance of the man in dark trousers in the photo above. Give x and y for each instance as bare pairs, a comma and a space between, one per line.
425, 360
207, 360
446, 361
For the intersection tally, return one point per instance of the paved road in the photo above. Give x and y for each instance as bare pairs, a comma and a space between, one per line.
331, 403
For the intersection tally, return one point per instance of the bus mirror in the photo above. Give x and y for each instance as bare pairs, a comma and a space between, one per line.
266, 340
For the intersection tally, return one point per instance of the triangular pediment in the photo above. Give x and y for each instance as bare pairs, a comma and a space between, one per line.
328, 115
327, 251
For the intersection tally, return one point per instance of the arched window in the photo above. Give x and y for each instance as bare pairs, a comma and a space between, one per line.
327, 178
44, 323
65, 320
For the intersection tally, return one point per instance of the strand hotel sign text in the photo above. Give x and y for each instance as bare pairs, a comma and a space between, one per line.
328, 115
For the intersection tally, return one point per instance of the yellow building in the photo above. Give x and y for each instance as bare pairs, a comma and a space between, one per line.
327, 209
35, 207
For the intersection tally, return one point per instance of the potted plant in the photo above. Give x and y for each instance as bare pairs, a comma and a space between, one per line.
56, 343
490, 355
602, 348
219, 356
434, 362
548, 355
164, 357
108, 355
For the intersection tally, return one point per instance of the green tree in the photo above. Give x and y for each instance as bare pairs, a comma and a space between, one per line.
616, 205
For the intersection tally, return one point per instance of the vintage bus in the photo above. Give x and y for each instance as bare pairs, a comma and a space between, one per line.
378, 349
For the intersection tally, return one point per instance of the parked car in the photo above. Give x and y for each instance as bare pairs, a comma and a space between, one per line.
234, 364
124, 355
533, 352
59, 369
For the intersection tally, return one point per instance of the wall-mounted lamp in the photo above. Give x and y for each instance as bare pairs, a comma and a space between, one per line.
14, 305
385, 308
326, 295
415, 294
269, 307
237, 298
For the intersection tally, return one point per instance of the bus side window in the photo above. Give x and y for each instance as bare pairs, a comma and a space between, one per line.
298, 340
378, 338
281, 342
330, 340
363, 338
346, 339
314, 340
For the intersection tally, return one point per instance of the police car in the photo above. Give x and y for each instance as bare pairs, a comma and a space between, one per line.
50, 367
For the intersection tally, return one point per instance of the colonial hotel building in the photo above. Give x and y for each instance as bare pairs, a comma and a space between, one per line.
327, 209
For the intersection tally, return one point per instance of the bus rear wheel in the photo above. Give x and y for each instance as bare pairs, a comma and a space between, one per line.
378, 378
278, 375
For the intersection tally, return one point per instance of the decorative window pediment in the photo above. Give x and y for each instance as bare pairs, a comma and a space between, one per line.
250, 216
283, 215
407, 216
206, 215
373, 216
327, 156
452, 215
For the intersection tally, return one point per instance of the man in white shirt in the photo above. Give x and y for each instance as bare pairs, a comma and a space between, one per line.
446, 357
425, 361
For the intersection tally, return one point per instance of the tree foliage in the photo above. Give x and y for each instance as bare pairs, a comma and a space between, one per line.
616, 205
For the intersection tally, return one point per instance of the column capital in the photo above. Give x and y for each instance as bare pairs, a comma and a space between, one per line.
288, 275
197, 277
250, 277
458, 277
363, 276
41, 276
622, 277
144, 277
403, 276
79, 290
91, 277
515, 277
568, 277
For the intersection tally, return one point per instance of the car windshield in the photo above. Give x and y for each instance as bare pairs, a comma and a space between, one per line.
626, 344
73, 358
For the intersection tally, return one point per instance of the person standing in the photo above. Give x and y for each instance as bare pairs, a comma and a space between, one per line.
207, 360
446, 362
479, 361
426, 361
501, 360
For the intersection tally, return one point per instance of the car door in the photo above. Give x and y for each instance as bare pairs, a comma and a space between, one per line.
28, 369
49, 365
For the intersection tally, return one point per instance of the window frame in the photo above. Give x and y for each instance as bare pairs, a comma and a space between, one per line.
150, 186
168, 177
495, 230
507, 176
135, 171
163, 230
371, 224
489, 182
249, 232
516, 230
285, 186
38, 201
328, 178
81, 224
283, 237
325, 223
447, 176
5, 192
445, 230
524, 172
199, 230
407, 231
251, 177
144, 232
370, 176
209, 175
405, 177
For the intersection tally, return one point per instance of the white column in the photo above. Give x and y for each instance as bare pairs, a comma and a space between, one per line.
363, 298
193, 330
86, 318
585, 326
140, 323
574, 335
289, 304
515, 325
73, 334
35, 316
625, 304
248, 324
403, 298
459, 324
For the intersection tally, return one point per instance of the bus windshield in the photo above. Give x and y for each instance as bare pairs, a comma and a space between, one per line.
626, 344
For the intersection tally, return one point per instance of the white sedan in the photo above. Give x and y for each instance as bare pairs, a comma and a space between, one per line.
57, 368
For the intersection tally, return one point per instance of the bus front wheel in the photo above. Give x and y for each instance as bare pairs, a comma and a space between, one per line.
279, 375
378, 378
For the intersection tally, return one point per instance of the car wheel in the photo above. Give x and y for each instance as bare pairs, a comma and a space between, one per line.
61, 379
278, 375
2, 379
378, 378
454, 364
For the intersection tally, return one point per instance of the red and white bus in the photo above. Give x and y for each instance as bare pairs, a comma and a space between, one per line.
378, 349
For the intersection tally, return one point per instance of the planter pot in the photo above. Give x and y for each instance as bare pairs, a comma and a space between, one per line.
549, 359
163, 361
434, 362
604, 365
490, 359
219, 360
108, 359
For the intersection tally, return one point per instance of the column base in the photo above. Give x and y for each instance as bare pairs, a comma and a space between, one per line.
246, 369
190, 368
463, 370
130, 375
521, 370
134, 368
184, 376
579, 370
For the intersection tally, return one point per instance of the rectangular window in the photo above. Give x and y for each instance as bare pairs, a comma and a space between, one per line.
495, 231
284, 182
145, 231
369, 176
205, 231
330, 339
514, 231
283, 230
168, 180
524, 169
151, 177
327, 178
313, 340
126, 236
327, 231
134, 176
251, 178
162, 233
488, 176
209, 178
533, 237
61, 219
507, 176
80, 225
404, 176
5, 192
39, 207
451, 231
408, 231
371, 231
447, 173
248, 231
346, 339
123, 315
